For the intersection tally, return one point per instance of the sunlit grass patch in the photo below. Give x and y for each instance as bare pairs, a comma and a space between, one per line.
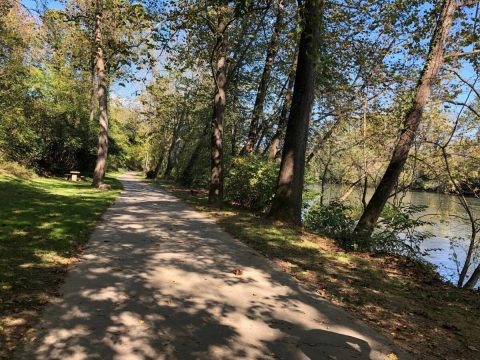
43, 224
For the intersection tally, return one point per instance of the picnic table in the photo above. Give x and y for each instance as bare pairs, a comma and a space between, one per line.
73, 176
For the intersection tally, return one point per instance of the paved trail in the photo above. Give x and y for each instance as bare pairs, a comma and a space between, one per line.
156, 282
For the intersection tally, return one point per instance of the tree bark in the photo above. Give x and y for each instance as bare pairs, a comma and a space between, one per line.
321, 142
323, 179
364, 150
274, 147
474, 278
264, 127
170, 159
350, 189
171, 150
101, 165
187, 177
287, 203
92, 90
257, 112
215, 195
412, 120
233, 145
156, 171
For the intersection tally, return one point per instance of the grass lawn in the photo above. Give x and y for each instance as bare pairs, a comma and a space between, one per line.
402, 299
43, 225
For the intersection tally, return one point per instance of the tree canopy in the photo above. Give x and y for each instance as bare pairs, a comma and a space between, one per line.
257, 101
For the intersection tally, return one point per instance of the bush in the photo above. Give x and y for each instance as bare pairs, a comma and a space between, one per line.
333, 219
399, 231
150, 175
15, 169
251, 182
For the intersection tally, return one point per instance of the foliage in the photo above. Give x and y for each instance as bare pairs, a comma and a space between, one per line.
370, 58
15, 169
333, 219
399, 231
44, 118
251, 182
46, 88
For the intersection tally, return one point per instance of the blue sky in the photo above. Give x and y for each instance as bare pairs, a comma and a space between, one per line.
34, 4
130, 89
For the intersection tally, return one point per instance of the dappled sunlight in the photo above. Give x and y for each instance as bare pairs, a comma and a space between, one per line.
404, 301
43, 224
157, 281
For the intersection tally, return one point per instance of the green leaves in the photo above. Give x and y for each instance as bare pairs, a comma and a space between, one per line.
251, 182
399, 231
332, 220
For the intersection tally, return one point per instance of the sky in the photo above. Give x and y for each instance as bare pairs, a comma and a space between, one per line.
126, 93
131, 89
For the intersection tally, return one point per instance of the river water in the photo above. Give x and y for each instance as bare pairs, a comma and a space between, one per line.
444, 227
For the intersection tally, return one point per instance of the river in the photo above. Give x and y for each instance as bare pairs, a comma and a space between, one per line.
444, 226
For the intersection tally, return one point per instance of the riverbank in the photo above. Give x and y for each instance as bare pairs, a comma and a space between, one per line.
404, 300
43, 225
421, 188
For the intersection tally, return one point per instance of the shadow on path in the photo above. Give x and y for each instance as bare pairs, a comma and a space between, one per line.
157, 282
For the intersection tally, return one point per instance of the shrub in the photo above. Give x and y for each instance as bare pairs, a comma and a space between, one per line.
15, 169
399, 231
251, 182
333, 219
150, 174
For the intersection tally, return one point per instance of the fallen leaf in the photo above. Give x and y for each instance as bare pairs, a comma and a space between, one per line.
238, 271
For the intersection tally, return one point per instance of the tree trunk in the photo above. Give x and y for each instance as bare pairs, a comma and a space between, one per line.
412, 120
473, 226
101, 165
274, 147
92, 90
321, 142
323, 180
364, 150
287, 203
262, 87
266, 124
233, 145
234, 129
474, 278
350, 189
170, 159
156, 171
215, 195
187, 177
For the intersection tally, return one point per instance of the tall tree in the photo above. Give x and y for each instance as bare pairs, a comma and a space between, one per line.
274, 146
287, 203
101, 165
187, 176
175, 143
412, 120
215, 194
257, 112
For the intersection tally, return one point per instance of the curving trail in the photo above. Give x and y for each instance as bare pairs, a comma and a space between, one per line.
157, 282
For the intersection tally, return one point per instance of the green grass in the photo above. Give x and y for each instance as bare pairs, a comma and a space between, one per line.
43, 224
